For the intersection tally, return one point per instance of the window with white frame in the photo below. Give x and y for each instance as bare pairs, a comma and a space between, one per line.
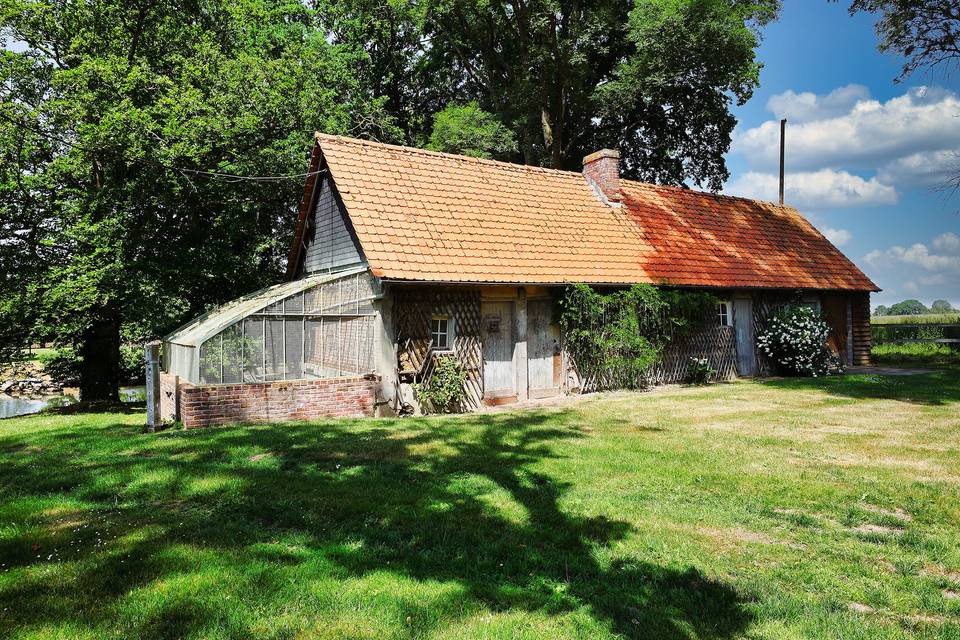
724, 314
441, 333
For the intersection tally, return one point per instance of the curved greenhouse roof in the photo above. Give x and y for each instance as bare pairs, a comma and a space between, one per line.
203, 327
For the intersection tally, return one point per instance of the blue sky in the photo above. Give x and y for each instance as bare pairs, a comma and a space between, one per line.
864, 153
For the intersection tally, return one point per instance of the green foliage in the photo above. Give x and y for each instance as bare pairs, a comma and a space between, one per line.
925, 32
656, 80
105, 119
667, 104
929, 318
796, 339
915, 353
941, 306
444, 392
615, 337
700, 372
470, 131
62, 365
908, 308
881, 310
65, 364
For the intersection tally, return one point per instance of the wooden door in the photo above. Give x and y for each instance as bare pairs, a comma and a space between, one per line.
497, 334
544, 367
834, 309
743, 327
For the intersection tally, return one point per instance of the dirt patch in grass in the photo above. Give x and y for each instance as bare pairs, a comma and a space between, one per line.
877, 529
896, 512
261, 456
859, 607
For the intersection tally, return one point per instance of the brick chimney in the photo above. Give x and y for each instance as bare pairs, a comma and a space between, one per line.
602, 171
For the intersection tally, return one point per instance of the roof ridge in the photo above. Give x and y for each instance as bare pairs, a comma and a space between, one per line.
515, 166
443, 154
711, 194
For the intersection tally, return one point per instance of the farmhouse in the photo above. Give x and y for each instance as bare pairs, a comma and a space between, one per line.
401, 255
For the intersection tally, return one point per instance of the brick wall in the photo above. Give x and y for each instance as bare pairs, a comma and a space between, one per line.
208, 405
169, 398
860, 315
603, 169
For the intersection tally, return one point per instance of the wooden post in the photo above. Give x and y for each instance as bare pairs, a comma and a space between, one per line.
520, 348
152, 357
783, 135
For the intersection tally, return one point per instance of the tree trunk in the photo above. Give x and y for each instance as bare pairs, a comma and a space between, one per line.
100, 352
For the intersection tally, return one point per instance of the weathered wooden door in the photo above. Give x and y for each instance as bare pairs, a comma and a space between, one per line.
497, 333
544, 367
743, 327
834, 309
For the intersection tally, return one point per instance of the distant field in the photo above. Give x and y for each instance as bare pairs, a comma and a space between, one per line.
930, 318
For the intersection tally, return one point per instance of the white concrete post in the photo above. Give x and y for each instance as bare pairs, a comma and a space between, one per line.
152, 357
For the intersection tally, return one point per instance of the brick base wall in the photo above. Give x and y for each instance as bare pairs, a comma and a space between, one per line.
209, 405
860, 319
169, 397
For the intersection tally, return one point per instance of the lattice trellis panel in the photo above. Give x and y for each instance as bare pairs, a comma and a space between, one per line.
412, 309
717, 344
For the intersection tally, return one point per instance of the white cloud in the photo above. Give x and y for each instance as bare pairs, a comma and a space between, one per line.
838, 237
947, 242
815, 189
924, 168
806, 106
917, 254
869, 134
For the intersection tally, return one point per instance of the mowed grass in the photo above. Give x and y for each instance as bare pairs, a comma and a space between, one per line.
778, 509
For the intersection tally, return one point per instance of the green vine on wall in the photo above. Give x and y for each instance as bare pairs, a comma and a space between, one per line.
614, 338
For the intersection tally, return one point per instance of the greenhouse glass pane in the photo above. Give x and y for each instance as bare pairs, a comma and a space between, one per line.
293, 334
253, 350
210, 361
232, 354
313, 367
273, 346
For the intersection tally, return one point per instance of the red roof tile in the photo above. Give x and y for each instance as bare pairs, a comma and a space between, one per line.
421, 215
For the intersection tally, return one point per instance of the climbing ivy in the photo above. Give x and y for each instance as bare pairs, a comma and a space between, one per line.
615, 337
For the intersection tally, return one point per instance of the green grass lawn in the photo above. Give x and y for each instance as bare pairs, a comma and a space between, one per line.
780, 509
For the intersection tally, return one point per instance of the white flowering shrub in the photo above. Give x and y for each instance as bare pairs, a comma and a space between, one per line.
796, 340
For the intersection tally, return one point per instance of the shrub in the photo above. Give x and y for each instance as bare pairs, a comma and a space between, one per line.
615, 337
444, 391
796, 340
63, 364
699, 371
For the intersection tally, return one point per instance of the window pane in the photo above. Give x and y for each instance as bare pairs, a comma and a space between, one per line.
253, 350
232, 354
293, 334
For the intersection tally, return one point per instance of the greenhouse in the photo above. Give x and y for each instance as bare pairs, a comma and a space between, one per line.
320, 326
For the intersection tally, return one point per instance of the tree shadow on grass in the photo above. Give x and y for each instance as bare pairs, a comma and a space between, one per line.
938, 387
461, 501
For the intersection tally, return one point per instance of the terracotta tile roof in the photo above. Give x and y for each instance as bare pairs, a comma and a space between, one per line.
421, 215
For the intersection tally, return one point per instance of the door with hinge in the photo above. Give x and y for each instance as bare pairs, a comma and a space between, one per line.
544, 361
746, 345
497, 333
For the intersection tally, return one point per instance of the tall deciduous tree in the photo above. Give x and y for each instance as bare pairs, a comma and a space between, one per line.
657, 80
925, 32
113, 121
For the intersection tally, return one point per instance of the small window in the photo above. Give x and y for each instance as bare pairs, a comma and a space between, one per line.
441, 333
724, 315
